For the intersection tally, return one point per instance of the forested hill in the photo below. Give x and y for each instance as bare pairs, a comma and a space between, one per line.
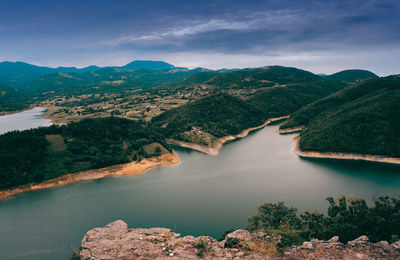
11, 99
335, 100
222, 114
365, 124
19, 74
35, 155
218, 115
352, 75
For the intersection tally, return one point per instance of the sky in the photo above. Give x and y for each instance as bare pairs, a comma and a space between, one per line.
323, 36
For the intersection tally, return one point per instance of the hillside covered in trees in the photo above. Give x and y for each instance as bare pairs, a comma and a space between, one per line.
218, 115
35, 155
352, 75
359, 119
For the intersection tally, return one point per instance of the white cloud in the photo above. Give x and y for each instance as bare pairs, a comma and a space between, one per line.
193, 28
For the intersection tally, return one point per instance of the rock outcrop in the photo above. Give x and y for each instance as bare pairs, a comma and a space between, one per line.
116, 241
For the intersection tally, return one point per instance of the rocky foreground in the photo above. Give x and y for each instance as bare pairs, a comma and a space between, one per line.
116, 241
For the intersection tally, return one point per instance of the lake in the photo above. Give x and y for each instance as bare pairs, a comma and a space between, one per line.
202, 194
23, 120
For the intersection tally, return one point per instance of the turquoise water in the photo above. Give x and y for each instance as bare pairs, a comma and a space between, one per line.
202, 194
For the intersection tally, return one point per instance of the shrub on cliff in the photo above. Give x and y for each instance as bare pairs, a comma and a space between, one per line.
347, 218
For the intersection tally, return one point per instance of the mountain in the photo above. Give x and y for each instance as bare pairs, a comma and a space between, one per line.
352, 75
352, 92
111, 79
150, 65
281, 101
362, 119
19, 74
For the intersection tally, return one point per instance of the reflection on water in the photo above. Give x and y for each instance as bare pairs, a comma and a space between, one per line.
202, 194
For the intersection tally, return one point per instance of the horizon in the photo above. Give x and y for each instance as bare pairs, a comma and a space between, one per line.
318, 36
191, 68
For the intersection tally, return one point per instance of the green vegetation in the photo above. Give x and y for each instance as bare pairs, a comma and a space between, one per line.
281, 101
352, 75
35, 155
218, 115
359, 119
202, 247
347, 218
12, 99
350, 93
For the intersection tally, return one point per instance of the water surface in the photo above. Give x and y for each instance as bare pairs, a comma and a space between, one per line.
23, 120
202, 194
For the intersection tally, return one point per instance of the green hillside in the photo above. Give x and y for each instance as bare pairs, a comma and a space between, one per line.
218, 115
369, 124
48, 152
110, 80
12, 99
347, 94
280, 101
352, 75
19, 74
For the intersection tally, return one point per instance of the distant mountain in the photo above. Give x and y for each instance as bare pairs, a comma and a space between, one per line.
150, 65
110, 79
19, 74
352, 75
362, 119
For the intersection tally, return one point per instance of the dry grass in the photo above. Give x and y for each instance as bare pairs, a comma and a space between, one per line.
264, 247
57, 143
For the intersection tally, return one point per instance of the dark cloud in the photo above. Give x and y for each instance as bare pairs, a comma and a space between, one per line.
259, 27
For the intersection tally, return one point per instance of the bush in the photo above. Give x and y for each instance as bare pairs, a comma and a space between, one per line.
347, 218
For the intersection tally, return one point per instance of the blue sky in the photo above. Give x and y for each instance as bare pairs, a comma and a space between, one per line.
323, 36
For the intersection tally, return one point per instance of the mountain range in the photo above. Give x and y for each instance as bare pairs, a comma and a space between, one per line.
19, 74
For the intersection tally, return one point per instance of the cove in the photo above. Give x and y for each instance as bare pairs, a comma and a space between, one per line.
202, 194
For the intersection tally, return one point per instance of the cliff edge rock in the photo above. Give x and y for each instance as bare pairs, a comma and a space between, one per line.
116, 241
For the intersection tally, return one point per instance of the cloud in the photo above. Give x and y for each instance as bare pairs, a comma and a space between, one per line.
194, 28
314, 31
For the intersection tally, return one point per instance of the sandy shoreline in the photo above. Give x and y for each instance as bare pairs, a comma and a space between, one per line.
342, 156
115, 170
217, 145
290, 130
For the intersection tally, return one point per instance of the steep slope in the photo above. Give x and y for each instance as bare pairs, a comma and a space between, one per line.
219, 115
352, 75
303, 116
279, 101
369, 124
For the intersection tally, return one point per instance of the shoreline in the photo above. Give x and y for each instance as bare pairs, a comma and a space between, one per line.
6, 113
290, 130
217, 145
342, 156
94, 174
